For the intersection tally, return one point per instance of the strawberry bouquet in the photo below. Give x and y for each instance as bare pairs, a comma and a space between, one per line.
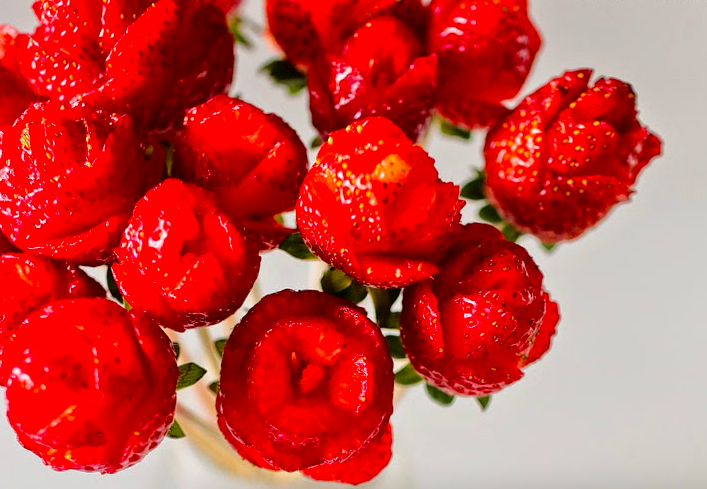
121, 149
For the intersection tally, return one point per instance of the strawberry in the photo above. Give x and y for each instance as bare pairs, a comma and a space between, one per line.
253, 163
306, 379
308, 29
368, 78
566, 155
15, 93
181, 261
90, 386
360, 468
28, 283
484, 317
485, 52
118, 57
374, 207
69, 183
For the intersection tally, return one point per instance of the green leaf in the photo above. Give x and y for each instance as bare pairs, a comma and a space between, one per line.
511, 233
176, 431
474, 190
316, 143
220, 345
383, 300
484, 402
549, 247
393, 321
213, 386
489, 214
440, 397
236, 28
177, 349
337, 283
407, 376
450, 129
169, 156
112, 286
189, 374
294, 245
395, 347
284, 73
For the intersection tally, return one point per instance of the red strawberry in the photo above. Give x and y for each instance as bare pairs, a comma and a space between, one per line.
370, 78
117, 17
69, 183
374, 207
181, 261
483, 317
253, 162
485, 51
360, 468
179, 49
566, 155
90, 386
308, 29
306, 379
28, 283
15, 94
149, 60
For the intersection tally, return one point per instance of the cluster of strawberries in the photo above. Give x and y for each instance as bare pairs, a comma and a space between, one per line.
121, 148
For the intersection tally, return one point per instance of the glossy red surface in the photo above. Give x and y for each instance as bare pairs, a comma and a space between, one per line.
15, 93
178, 53
360, 468
69, 183
392, 79
253, 163
308, 29
483, 317
181, 261
29, 282
485, 51
306, 379
374, 207
90, 386
566, 155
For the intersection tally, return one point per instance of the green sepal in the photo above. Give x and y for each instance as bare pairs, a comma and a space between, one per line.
449, 129
294, 246
511, 233
284, 73
189, 374
474, 190
439, 396
113, 287
489, 214
395, 346
549, 247
337, 283
484, 402
407, 376
175, 431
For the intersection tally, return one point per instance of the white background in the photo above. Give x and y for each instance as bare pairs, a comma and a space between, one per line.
621, 400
